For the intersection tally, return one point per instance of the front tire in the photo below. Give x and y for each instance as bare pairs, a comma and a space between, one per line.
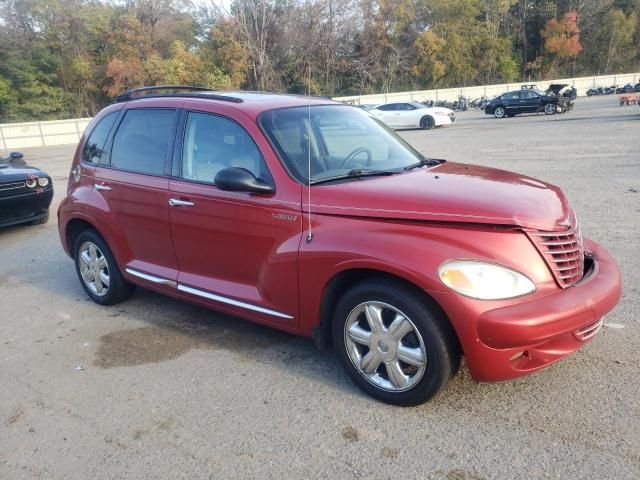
98, 271
394, 343
41, 221
499, 112
427, 123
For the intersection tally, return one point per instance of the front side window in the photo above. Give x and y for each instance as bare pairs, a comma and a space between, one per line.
141, 142
338, 140
212, 143
92, 150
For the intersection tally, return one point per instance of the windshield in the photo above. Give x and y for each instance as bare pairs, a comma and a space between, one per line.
339, 140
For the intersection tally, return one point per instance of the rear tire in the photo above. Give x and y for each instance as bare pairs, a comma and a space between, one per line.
395, 344
549, 109
499, 112
427, 123
98, 271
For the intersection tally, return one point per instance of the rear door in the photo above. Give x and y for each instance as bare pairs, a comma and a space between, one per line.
530, 101
511, 102
133, 183
406, 115
389, 114
236, 250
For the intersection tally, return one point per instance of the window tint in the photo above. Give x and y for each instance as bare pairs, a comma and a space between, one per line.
212, 143
387, 108
92, 150
140, 144
511, 96
405, 106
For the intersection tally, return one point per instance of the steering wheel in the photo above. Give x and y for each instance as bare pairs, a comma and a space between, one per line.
355, 153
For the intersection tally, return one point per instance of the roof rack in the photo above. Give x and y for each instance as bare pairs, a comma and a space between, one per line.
187, 91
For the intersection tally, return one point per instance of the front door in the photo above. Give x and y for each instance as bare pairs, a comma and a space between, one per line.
236, 250
134, 184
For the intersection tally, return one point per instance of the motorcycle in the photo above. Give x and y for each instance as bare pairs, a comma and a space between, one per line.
462, 104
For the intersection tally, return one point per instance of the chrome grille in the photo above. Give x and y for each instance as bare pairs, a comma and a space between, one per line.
563, 252
11, 186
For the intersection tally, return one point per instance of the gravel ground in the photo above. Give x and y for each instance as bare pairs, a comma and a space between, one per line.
155, 388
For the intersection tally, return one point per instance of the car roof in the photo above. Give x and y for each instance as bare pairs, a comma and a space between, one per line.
251, 103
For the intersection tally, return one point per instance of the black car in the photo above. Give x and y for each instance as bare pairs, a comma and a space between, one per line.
526, 101
25, 193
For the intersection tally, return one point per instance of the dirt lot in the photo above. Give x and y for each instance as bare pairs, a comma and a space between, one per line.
155, 388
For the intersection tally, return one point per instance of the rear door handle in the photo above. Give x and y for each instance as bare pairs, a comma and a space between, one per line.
102, 187
174, 202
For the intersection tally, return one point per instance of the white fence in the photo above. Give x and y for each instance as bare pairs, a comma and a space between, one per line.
582, 84
41, 134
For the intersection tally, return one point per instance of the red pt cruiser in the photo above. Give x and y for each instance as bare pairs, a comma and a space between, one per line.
314, 218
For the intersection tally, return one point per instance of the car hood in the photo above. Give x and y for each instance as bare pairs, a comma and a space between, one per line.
556, 88
450, 192
11, 173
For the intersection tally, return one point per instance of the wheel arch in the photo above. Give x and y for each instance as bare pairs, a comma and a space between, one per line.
341, 281
73, 229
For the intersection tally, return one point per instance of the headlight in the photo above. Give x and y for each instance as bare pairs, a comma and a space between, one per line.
43, 181
483, 280
31, 183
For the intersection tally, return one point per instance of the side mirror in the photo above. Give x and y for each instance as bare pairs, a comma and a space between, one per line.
16, 156
236, 179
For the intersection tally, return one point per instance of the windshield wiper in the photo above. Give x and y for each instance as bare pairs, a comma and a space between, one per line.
356, 173
425, 162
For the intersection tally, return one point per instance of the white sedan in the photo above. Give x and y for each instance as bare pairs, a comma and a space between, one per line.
413, 115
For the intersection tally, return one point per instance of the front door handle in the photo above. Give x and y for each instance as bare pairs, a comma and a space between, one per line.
174, 202
102, 187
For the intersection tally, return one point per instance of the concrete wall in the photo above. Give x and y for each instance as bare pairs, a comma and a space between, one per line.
40, 134
582, 84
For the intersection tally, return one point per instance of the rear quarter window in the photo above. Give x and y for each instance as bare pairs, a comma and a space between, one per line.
93, 147
141, 142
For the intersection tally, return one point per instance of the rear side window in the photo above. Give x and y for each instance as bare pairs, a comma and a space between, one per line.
142, 139
92, 150
388, 108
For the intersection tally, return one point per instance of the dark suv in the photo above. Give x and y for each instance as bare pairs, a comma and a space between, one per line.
313, 217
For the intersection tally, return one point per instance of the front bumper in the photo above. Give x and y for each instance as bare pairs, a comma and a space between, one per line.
25, 208
526, 336
442, 120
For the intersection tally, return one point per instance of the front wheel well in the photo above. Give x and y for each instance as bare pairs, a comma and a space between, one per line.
343, 281
74, 228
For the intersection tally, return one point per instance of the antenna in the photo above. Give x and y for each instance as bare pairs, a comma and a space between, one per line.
309, 232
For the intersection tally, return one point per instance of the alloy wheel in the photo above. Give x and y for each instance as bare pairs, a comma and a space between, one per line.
385, 346
94, 269
499, 112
